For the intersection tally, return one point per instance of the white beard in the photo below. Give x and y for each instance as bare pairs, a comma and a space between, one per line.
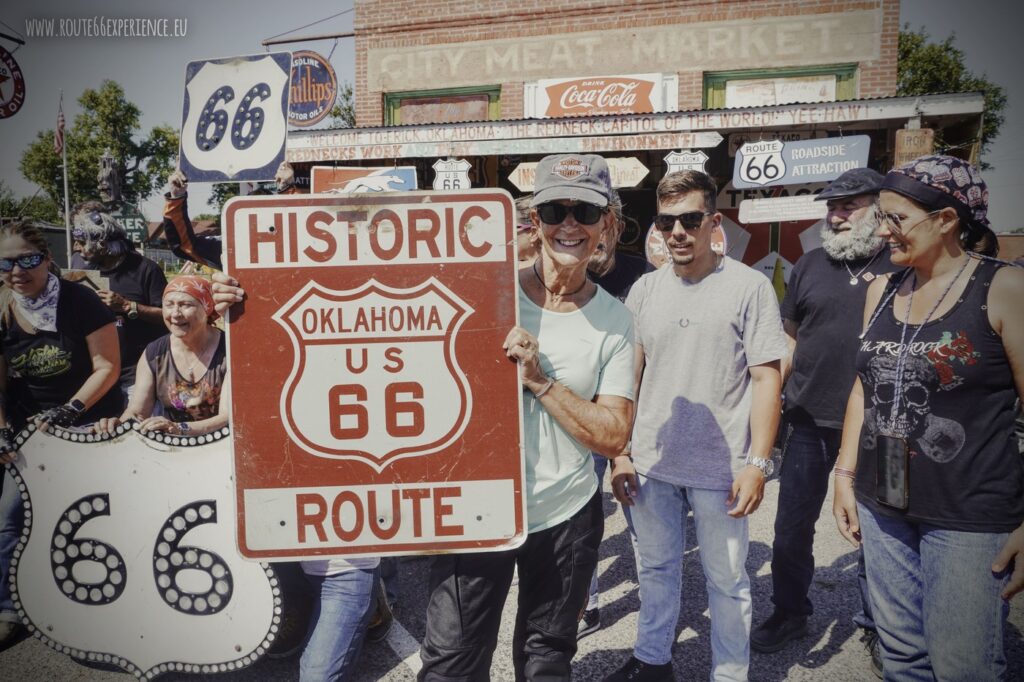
860, 241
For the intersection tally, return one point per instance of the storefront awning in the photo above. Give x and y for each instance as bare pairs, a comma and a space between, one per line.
610, 134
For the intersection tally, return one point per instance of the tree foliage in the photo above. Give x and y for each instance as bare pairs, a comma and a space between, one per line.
926, 67
37, 206
107, 121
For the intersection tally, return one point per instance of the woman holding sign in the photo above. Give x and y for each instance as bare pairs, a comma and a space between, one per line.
575, 352
929, 477
184, 371
60, 361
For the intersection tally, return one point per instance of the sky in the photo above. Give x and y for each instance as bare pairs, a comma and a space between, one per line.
152, 69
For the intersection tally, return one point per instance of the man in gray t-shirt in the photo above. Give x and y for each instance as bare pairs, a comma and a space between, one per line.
709, 342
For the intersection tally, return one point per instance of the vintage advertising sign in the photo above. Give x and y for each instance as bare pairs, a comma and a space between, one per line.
128, 553
686, 160
314, 89
774, 162
911, 144
627, 171
234, 119
12, 85
631, 94
380, 414
361, 179
784, 209
451, 174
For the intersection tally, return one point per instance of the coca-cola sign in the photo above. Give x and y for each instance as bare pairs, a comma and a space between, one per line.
587, 96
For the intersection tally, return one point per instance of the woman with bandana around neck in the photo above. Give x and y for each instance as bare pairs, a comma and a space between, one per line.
184, 371
928, 477
59, 367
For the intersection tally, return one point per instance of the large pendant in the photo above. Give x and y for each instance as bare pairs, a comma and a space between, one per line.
853, 281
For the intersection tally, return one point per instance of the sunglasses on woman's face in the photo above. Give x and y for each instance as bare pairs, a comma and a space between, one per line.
691, 220
26, 262
585, 214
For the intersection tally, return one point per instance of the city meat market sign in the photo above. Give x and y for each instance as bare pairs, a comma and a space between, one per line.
380, 414
687, 46
314, 88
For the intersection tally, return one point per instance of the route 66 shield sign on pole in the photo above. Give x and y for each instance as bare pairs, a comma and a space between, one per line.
235, 118
128, 553
759, 164
374, 409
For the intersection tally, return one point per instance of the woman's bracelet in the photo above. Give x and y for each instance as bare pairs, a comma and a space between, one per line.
547, 387
845, 473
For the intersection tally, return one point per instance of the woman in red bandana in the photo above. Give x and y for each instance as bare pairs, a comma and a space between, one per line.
184, 371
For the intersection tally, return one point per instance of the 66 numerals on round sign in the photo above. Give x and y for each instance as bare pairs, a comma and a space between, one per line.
170, 558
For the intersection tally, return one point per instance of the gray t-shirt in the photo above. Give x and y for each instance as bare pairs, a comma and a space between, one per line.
692, 427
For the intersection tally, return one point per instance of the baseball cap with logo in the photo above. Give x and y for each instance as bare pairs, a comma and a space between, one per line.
577, 177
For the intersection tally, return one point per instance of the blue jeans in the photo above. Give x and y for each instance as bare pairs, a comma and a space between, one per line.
658, 519
810, 455
593, 598
937, 603
341, 613
11, 522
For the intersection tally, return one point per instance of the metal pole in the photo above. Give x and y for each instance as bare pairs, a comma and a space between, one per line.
67, 202
303, 39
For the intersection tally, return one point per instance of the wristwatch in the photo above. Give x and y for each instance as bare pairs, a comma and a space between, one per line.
765, 464
133, 310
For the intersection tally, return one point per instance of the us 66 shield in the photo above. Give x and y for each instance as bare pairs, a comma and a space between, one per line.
374, 409
234, 118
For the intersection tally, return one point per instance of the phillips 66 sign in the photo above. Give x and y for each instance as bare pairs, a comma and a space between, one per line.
374, 410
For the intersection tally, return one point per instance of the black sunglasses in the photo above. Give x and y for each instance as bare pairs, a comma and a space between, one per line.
585, 214
26, 262
691, 220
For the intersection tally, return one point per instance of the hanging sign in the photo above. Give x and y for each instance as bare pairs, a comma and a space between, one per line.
451, 174
910, 144
626, 171
686, 160
314, 89
385, 315
774, 162
128, 553
782, 209
12, 85
234, 120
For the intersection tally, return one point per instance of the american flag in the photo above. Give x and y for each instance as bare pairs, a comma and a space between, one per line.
58, 133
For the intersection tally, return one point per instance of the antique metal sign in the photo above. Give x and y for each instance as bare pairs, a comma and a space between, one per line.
362, 179
12, 85
686, 160
774, 162
913, 143
626, 171
451, 173
128, 554
234, 119
624, 94
379, 412
314, 89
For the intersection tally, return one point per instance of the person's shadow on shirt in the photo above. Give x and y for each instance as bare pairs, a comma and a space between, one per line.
691, 447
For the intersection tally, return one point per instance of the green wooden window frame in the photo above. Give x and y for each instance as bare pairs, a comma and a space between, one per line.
393, 100
714, 81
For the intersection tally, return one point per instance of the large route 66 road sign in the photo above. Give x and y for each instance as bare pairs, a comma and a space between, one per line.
128, 553
374, 410
235, 117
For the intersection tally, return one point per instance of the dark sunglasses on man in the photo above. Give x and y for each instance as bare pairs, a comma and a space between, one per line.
585, 214
26, 262
691, 220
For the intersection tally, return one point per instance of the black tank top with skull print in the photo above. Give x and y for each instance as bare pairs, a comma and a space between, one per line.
957, 409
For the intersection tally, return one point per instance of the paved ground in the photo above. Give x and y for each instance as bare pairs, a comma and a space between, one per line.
832, 652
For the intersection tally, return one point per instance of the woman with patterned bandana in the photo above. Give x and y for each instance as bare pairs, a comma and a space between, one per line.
928, 477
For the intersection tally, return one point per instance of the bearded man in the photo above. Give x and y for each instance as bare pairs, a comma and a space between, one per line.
821, 315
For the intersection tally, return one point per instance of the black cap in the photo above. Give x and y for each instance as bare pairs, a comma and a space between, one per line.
853, 183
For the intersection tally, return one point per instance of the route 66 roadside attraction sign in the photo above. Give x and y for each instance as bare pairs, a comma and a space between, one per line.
374, 411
